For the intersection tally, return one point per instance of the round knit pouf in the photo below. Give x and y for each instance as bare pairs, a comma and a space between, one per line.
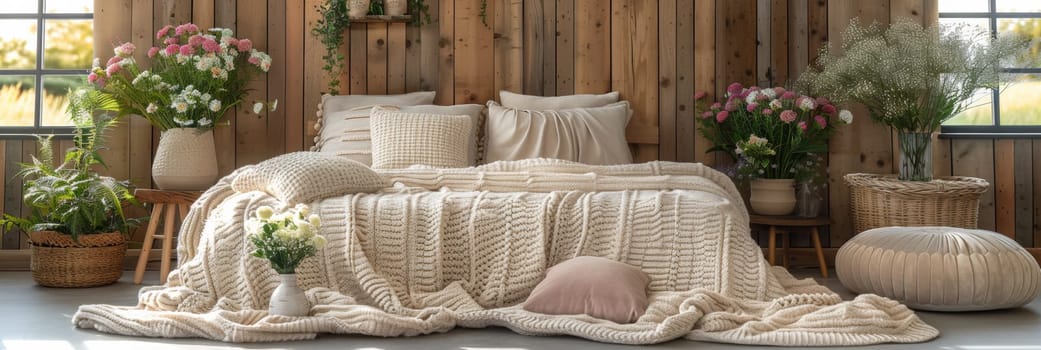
940, 268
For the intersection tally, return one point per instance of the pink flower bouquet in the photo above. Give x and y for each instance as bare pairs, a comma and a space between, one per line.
195, 76
771, 132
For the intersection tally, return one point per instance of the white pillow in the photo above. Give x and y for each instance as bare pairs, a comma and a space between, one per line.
475, 112
401, 140
304, 177
343, 124
587, 135
542, 103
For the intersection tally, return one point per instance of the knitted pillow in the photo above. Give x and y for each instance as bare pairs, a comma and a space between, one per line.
343, 124
304, 177
400, 140
593, 136
597, 287
476, 114
514, 100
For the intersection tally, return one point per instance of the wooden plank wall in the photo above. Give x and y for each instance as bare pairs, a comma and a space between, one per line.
657, 53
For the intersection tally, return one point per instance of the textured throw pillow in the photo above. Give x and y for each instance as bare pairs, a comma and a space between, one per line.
475, 112
586, 135
597, 287
514, 100
304, 177
400, 140
343, 126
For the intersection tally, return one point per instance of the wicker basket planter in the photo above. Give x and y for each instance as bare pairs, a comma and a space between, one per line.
883, 200
57, 261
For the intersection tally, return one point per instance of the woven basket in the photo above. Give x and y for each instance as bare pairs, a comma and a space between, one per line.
57, 261
883, 200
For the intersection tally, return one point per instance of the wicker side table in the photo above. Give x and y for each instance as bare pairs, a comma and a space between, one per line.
883, 200
169, 207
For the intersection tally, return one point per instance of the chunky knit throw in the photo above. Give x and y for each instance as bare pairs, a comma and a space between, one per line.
452, 248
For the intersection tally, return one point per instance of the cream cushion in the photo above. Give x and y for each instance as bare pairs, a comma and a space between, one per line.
587, 135
519, 101
476, 114
304, 177
401, 140
940, 268
343, 124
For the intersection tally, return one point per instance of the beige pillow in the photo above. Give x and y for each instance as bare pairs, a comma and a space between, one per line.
597, 287
587, 135
343, 126
514, 100
304, 177
400, 140
476, 114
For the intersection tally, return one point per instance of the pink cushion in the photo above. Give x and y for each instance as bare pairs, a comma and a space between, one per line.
597, 287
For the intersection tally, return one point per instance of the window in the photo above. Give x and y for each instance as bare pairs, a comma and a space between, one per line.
46, 46
1015, 109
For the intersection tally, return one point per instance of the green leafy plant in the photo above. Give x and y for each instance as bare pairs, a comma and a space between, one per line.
72, 198
285, 239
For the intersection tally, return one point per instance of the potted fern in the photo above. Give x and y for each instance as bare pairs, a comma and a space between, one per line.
77, 227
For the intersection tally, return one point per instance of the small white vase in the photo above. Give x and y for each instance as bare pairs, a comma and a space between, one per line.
395, 7
773, 196
357, 8
186, 160
288, 299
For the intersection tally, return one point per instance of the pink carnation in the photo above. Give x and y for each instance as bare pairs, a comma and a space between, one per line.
244, 45
162, 32
753, 88
722, 116
821, 121
113, 60
734, 88
187, 50
186, 28
802, 125
823, 101
152, 52
231, 41
827, 108
700, 95
788, 116
788, 95
730, 106
172, 49
210, 46
768, 111
706, 115
196, 40
253, 60
716, 106
113, 69
92, 77
170, 41
751, 107
779, 90
125, 50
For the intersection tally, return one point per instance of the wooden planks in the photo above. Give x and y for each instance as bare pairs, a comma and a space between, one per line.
634, 68
976, 159
376, 74
685, 89
1004, 187
704, 68
592, 46
251, 128
1023, 174
1037, 192
297, 120
316, 81
446, 61
276, 127
667, 79
224, 16
565, 77
12, 190
473, 52
396, 48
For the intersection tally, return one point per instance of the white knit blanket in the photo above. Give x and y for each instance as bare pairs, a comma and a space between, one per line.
463, 248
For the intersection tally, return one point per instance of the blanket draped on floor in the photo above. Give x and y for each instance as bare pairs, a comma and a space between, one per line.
451, 248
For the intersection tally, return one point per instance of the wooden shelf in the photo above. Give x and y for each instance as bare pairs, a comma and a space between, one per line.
382, 19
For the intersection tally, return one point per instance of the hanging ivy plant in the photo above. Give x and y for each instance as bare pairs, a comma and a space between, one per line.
329, 30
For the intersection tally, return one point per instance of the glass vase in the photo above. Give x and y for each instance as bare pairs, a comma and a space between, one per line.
809, 200
916, 156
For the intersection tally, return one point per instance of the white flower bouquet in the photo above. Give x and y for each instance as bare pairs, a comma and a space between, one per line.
194, 79
285, 239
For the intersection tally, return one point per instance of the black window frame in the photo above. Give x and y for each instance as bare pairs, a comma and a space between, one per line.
40, 16
992, 17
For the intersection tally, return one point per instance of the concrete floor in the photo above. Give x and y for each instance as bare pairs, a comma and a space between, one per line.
37, 318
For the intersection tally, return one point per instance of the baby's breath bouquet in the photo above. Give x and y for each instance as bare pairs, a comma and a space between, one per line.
913, 78
195, 77
285, 239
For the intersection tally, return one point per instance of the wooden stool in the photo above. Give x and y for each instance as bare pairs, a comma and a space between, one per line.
168, 206
773, 222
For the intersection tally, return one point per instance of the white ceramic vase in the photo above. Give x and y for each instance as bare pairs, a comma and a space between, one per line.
395, 7
185, 160
357, 8
773, 196
288, 299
